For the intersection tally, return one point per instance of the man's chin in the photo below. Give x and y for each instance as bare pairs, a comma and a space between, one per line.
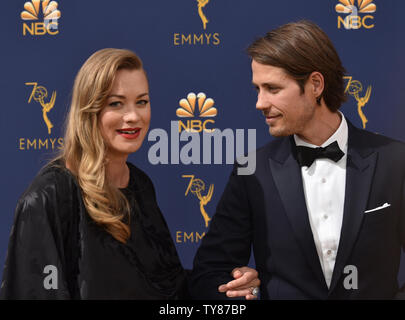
277, 132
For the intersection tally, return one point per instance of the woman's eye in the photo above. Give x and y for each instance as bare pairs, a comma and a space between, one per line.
143, 102
115, 104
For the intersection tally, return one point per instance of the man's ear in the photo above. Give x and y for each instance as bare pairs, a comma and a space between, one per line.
317, 83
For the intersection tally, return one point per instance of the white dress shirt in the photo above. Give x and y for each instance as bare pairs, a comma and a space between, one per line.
324, 189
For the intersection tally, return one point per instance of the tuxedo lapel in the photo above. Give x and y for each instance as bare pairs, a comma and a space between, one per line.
361, 162
287, 177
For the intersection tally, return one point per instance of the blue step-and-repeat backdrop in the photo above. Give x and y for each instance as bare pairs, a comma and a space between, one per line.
189, 47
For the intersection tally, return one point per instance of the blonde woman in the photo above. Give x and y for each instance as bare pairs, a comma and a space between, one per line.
89, 227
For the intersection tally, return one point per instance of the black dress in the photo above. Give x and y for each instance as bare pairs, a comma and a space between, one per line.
56, 251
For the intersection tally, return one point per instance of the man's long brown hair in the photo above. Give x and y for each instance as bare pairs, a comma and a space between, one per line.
301, 48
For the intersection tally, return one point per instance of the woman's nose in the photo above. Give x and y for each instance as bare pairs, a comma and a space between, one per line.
131, 114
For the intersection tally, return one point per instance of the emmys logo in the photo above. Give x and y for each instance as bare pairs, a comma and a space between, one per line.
50, 14
354, 88
39, 94
187, 109
196, 186
201, 5
353, 20
198, 38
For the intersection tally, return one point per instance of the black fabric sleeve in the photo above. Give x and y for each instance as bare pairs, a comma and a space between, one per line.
401, 294
34, 266
170, 273
227, 244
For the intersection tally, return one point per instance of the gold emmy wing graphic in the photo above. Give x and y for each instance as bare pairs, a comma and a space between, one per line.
354, 87
49, 10
348, 6
202, 4
39, 93
205, 106
196, 186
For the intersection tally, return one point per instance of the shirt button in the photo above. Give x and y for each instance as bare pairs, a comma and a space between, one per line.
329, 252
325, 216
323, 180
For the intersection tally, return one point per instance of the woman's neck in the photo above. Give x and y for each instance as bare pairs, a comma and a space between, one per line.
117, 172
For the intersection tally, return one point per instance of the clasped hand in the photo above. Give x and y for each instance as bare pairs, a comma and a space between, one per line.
245, 280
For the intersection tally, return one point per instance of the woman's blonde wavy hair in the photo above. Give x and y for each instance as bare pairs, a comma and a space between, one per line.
84, 148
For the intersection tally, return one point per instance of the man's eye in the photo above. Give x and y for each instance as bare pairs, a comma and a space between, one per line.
274, 90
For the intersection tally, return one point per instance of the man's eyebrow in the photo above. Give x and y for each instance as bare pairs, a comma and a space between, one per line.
267, 84
271, 85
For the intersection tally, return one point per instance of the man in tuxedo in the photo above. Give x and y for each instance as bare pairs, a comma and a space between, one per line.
325, 209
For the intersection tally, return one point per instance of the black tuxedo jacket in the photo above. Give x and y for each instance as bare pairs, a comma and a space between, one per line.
267, 211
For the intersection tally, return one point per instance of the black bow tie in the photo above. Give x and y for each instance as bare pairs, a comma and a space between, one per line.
306, 155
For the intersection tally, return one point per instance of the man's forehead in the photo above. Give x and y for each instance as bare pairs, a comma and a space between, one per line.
265, 73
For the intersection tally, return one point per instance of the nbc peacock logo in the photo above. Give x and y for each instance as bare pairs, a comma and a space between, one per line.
353, 8
36, 10
187, 109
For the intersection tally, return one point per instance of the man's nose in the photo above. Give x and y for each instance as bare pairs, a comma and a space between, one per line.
263, 101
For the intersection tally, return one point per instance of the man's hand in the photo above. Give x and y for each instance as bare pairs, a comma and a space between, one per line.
245, 280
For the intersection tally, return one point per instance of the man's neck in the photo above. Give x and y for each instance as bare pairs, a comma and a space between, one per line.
321, 127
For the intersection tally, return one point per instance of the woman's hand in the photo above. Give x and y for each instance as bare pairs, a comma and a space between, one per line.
245, 283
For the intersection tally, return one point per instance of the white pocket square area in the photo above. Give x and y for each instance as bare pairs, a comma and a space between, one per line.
385, 205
